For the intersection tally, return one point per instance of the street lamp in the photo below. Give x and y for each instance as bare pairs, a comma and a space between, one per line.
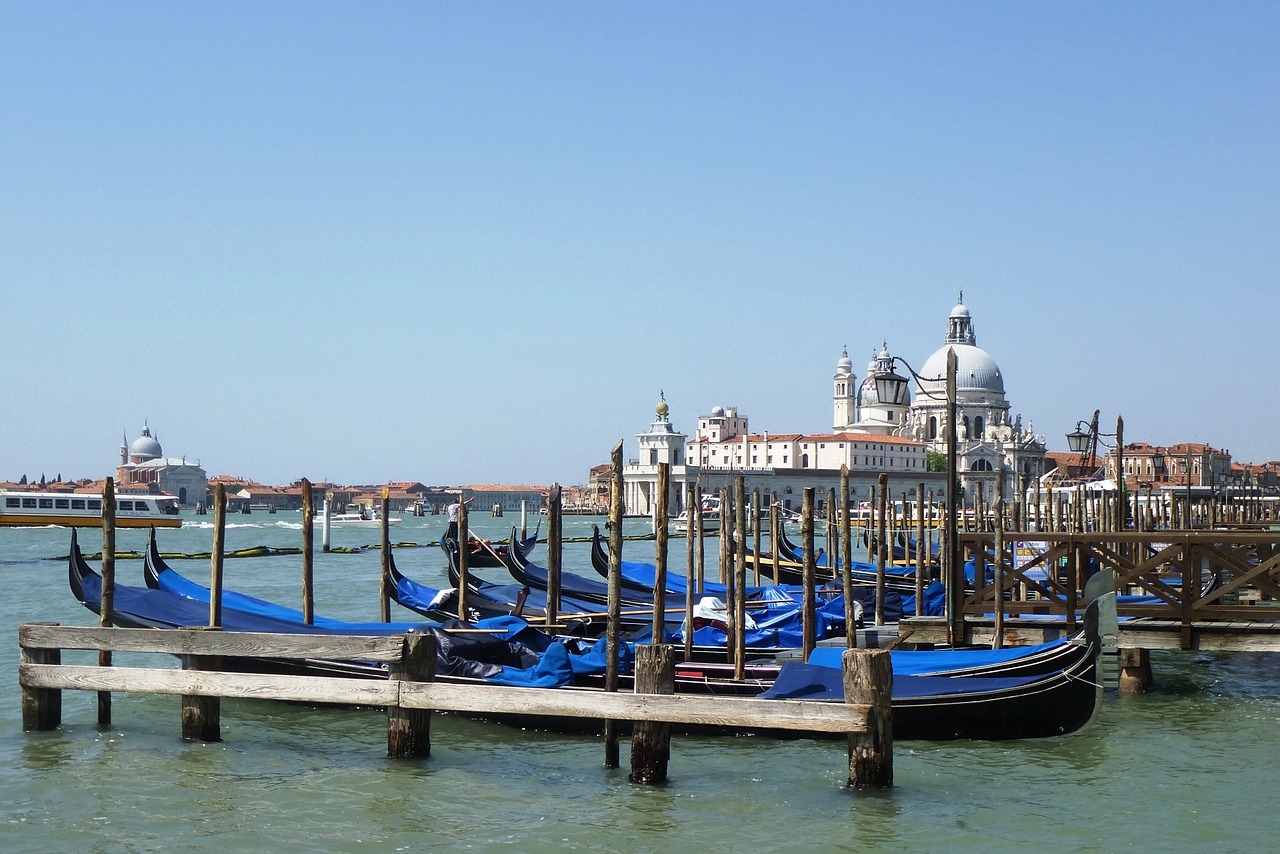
1078, 440
893, 387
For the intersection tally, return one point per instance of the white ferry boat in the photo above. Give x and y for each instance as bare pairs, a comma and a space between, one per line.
36, 509
710, 516
356, 519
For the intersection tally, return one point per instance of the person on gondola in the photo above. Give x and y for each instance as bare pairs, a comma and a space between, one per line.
452, 513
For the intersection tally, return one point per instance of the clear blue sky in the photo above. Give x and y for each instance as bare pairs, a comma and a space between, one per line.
470, 242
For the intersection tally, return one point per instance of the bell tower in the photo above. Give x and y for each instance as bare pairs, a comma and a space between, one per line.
844, 393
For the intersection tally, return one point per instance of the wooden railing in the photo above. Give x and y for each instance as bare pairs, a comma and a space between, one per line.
1192, 576
410, 692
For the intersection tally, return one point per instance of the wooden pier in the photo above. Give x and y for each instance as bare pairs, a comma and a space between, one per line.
410, 693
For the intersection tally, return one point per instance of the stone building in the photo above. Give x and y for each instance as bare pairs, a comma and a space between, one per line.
144, 467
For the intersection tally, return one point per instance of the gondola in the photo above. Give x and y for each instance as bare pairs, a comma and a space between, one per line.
579, 616
791, 567
575, 586
899, 601
159, 576
968, 704
509, 652
640, 577
484, 553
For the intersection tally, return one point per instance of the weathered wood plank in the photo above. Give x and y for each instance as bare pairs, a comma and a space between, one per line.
196, 642
305, 689
682, 709
478, 698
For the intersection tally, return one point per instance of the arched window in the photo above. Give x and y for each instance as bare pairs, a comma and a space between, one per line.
977, 427
967, 431
933, 427
804, 461
982, 465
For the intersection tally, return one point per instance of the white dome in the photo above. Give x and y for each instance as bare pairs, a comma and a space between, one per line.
975, 370
717, 412
145, 445
845, 365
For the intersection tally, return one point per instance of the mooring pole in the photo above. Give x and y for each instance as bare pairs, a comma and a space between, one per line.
868, 679
808, 604
202, 715
555, 552
309, 535
615, 602
385, 588
107, 599
882, 546
216, 556
739, 578
846, 561
409, 730
661, 537
651, 741
690, 579
464, 559
955, 569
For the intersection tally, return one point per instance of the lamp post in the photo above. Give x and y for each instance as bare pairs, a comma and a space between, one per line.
892, 388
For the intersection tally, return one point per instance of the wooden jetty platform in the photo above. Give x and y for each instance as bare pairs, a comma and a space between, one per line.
410, 693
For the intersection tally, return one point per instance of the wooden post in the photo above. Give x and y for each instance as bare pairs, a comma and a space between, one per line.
846, 561
739, 578
215, 563
555, 551
922, 549
954, 566
998, 641
691, 574
775, 537
1135, 670
201, 715
882, 545
809, 612
696, 516
308, 531
384, 593
727, 539
409, 730
651, 740
464, 560
661, 535
615, 602
42, 707
873, 503
755, 533
868, 679
726, 535
326, 524
107, 600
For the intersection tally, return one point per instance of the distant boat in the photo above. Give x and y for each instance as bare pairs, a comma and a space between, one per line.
710, 516
357, 519
37, 509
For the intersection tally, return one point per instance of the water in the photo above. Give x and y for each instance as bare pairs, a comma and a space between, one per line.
1189, 767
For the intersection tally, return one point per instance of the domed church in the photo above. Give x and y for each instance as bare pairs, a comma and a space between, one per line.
143, 467
987, 440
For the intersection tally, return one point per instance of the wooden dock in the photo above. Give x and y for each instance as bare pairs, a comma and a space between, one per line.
411, 692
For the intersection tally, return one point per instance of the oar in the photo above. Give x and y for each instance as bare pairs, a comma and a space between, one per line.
485, 543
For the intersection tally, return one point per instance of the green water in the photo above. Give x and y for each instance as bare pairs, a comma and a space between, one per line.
1193, 766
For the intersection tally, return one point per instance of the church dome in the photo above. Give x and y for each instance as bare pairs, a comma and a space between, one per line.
145, 445
845, 365
975, 370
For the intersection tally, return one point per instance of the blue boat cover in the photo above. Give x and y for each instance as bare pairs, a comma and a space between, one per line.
908, 662
798, 681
